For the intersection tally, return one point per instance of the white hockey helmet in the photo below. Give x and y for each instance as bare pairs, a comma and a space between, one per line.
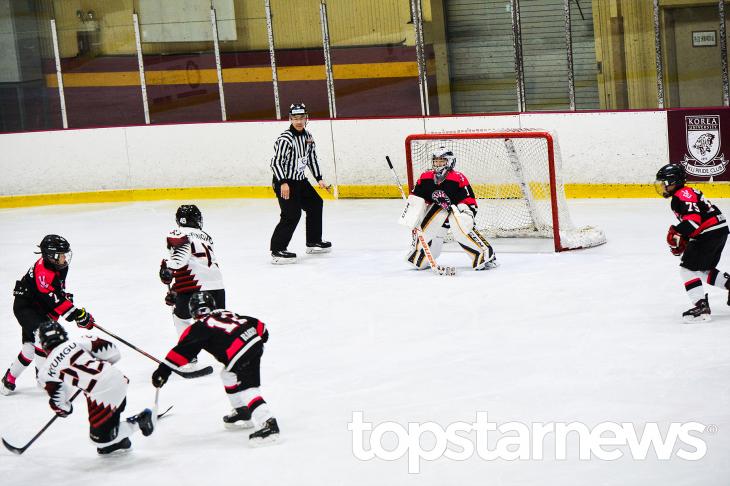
442, 162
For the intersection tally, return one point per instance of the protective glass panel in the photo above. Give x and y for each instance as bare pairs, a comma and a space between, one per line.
481, 56
693, 69
374, 58
246, 63
299, 56
29, 97
99, 64
179, 60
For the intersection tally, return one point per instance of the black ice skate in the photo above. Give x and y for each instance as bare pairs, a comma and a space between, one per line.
122, 446
8, 384
239, 418
321, 247
283, 257
144, 420
267, 434
699, 313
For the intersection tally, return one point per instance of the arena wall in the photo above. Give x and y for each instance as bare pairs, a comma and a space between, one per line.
605, 154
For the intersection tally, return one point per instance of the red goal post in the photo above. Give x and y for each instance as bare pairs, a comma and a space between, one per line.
516, 177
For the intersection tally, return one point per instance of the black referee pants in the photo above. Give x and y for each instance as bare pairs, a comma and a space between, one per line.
302, 196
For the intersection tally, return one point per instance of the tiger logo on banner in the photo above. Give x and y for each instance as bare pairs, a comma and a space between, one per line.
703, 142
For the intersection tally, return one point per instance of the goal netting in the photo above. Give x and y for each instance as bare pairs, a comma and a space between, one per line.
516, 177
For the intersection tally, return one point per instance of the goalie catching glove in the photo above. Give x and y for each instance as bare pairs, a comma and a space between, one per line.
677, 241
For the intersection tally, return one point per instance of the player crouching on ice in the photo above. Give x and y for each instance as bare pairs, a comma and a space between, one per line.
699, 238
443, 198
238, 342
86, 365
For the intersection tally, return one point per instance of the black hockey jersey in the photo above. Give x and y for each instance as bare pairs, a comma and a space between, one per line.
696, 215
46, 288
456, 188
224, 334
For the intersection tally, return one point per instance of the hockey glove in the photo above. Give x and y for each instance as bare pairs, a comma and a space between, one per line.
160, 375
69, 296
165, 273
170, 298
83, 318
677, 241
62, 412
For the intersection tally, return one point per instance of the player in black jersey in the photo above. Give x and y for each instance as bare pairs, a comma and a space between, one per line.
699, 238
237, 341
39, 295
441, 199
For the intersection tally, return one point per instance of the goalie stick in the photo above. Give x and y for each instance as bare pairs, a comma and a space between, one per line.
185, 374
439, 269
20, 450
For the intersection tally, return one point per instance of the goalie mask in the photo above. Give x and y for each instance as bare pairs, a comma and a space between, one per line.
442, 162
669, 178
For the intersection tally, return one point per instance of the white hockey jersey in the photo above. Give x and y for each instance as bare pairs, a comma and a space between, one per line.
192, 260
85, 364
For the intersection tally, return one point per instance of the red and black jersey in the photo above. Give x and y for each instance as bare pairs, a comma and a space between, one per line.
46, 287
696, 215
455, 186
224, 334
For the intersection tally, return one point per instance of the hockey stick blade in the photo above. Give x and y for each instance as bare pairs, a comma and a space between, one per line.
13, 449
194, 374
163, 414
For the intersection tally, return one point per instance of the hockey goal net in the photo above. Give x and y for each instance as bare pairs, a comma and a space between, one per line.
516, 177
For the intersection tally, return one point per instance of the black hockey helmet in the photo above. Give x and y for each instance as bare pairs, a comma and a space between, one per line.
669, 178
201, 304
51, 334
189, 215
298, 109
56, 251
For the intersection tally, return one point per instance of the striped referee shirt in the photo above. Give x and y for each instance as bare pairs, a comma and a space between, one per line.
293, 152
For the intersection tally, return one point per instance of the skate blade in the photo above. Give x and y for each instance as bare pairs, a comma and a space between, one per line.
283, 261
5, 391
698, 319
240, 425
117, 453
263, 441
312, 251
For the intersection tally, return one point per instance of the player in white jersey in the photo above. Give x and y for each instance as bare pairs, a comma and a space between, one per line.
86, 365
191, 266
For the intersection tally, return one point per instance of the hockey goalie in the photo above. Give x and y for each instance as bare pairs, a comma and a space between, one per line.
442, 199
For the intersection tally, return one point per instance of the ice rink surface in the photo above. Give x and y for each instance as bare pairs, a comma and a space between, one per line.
587, 336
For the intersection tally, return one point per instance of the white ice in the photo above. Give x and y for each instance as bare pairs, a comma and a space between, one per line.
586, 336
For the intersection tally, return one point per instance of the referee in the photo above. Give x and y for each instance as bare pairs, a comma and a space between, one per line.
294, 151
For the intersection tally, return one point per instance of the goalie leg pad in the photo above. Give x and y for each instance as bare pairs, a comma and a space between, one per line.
434, 234
477, 248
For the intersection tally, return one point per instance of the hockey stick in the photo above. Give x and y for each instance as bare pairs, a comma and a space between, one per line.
20, 450
441, 270
185, 374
